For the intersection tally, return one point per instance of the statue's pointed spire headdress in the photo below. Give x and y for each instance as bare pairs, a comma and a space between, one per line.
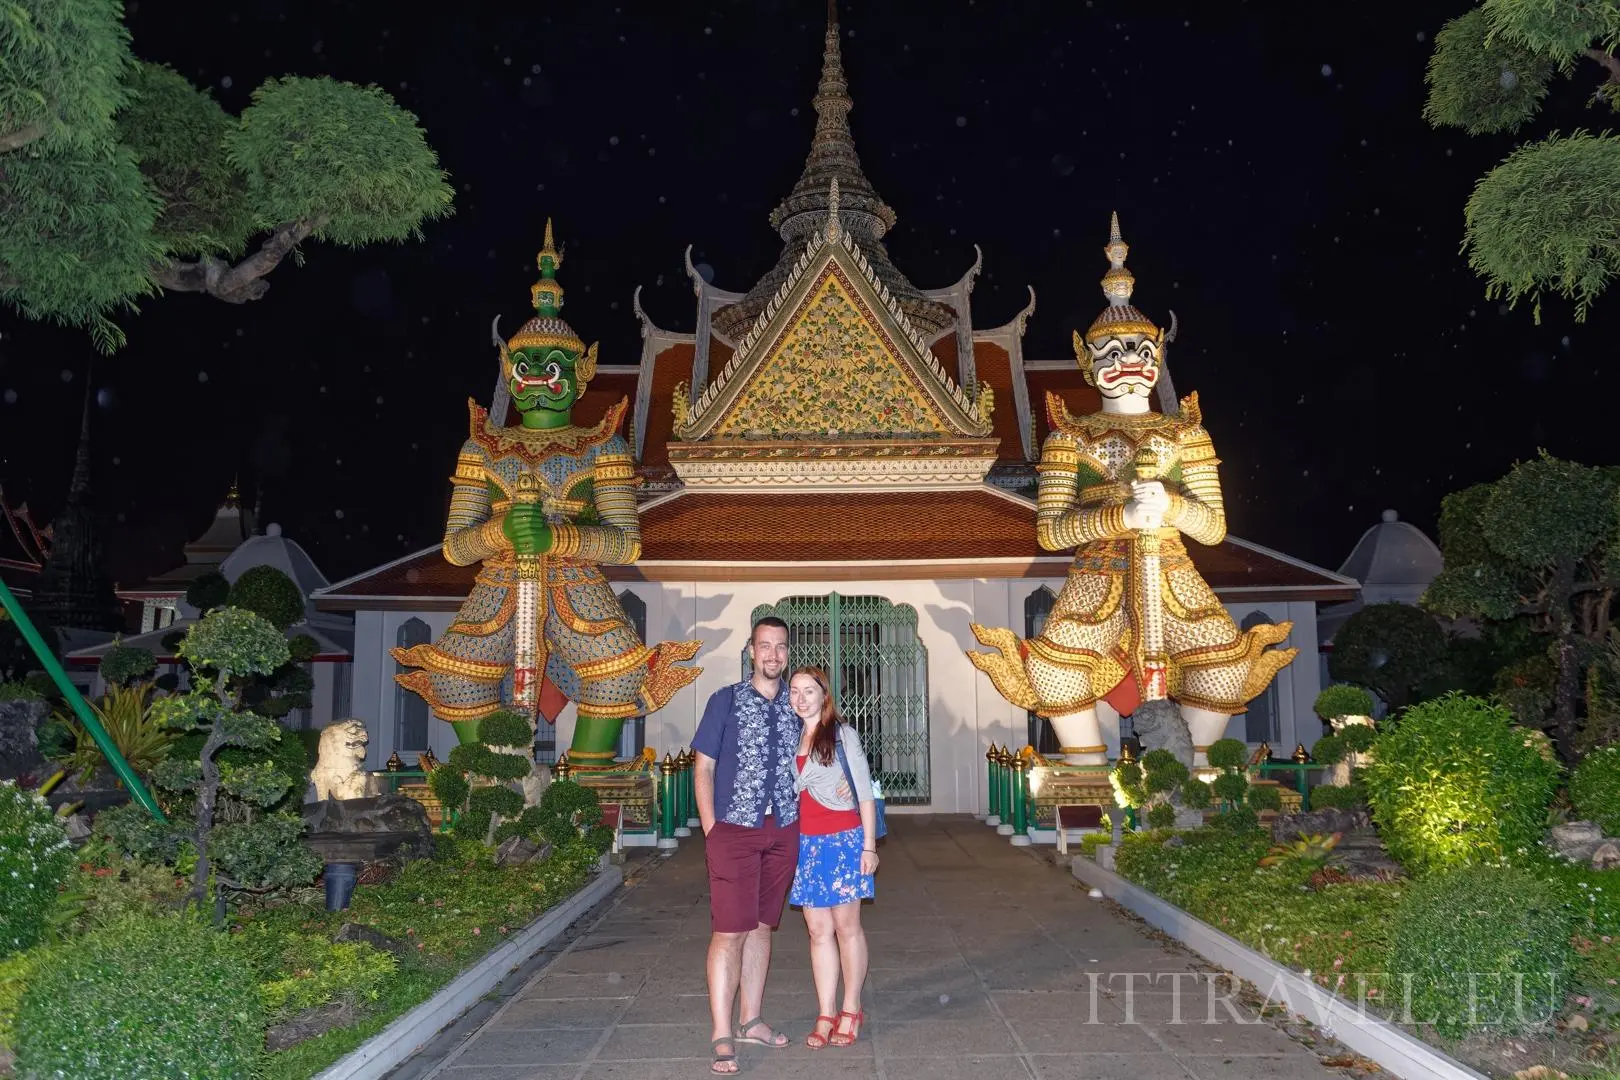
547, 326
1119, 317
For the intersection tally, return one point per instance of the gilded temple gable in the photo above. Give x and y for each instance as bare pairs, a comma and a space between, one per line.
833, 358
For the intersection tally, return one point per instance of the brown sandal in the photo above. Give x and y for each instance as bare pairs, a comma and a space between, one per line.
839, 1037
815, 1040
723, 1059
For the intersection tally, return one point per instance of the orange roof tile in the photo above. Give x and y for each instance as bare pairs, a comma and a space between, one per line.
1068, 384
995, 367
670, 367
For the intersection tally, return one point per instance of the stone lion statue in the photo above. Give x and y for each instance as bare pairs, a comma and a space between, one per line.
339, 772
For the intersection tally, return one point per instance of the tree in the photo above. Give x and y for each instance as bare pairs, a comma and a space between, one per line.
1543, 544
1546, 218
120, 180
1393, 649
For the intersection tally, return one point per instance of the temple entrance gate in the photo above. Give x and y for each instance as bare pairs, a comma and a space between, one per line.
879, 670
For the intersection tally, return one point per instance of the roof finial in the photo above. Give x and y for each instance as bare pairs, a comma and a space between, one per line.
833, 227
1119, 317
233, 497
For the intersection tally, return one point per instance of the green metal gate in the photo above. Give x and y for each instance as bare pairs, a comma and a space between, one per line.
879, 670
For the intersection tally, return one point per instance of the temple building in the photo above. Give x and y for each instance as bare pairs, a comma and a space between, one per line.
331, 668
844, 449
24, 547
1394, 561
156, 604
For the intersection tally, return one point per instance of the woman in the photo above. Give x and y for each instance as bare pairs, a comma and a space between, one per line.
837, 854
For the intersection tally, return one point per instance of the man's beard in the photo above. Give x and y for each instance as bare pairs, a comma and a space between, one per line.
771, 668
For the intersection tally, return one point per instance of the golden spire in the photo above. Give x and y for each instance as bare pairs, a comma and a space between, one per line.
546, 327
1119, 317
546, 294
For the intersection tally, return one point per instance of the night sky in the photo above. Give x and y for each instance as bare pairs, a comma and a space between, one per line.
1272, 172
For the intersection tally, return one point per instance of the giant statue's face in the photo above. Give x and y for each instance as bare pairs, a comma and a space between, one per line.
1124, 365
543, 377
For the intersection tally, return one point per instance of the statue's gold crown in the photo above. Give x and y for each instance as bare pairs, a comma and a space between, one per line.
1119, 317
546, 328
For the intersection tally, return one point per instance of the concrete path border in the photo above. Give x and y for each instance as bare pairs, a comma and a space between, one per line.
391, 1046
1373, 1037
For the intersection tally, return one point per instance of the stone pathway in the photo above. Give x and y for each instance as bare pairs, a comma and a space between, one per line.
986, 961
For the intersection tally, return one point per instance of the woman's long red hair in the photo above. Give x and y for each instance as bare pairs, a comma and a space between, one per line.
824, 740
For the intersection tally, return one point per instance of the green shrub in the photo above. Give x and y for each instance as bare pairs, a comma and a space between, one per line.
15, 971
1090, 842
1241, 820
1230, 787
122, 665
1329, 750
1343, 699
288, 755
306, 971
1196, 795
1498, 923
208, 592
1328, 797
35, 858
143, 999
1161, 816
505, 728
269, 594
1455, 782
1228, 754
1267, 797
19, 691
1594, 788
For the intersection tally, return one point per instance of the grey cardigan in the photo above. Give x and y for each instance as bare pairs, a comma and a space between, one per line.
823, 781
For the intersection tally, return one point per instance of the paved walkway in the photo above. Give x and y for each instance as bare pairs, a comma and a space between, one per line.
987, 961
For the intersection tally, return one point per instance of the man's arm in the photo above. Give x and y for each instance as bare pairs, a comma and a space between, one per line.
703, 789
706, 748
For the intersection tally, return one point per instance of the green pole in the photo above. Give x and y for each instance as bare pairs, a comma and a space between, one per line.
76, 702
993, 804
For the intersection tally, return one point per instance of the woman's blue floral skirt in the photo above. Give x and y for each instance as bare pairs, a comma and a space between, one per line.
829, 870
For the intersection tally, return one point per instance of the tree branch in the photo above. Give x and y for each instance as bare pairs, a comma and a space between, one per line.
13, 140
245, 281
1596, 586
1608, 60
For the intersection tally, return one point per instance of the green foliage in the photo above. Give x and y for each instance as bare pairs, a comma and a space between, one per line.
1558, 31
505, 728
1266, 797
137, 834
1330, 797
1342, 699
1594, 789
1091, 841
1481, 84
1311, 850
1196, 795
1499, 924
1228, 754
1455, 782
1161, 816
127, 715
122, 665
19, 691
263, 854
15, 971
178, 134
1241, 820
321, 150
1392, 649
209, 591
477, 759
269, 594
1348, 740
287, 755
1126, 779
145, 999
1230, 787
573, 812
306, 971
35, 859
235, 642
113, 168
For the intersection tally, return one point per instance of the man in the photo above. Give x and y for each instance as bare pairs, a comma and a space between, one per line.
745, 746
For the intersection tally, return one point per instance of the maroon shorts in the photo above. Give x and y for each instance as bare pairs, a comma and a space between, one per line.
750, 872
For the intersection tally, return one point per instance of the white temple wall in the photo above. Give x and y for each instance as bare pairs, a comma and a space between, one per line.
966, 715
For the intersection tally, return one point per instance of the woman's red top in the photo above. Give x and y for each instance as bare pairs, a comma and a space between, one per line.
817, 820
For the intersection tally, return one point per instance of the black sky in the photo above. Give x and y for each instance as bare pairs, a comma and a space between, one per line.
1273, 175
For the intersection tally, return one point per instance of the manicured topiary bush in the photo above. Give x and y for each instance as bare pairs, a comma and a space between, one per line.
1342, 699
1496, 923
1334, 797
35, 858
269, 594
122, 664
211, 590
1455, 782
148, 998
1265, 798
472, 783
1594, 788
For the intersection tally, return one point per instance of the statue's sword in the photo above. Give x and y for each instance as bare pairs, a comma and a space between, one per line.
528, 651
1152, 660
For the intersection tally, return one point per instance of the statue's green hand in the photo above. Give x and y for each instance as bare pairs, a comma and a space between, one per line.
527, 528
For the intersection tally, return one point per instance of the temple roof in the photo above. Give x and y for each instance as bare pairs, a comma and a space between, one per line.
230, 526
780, 536
24, 546
803, 213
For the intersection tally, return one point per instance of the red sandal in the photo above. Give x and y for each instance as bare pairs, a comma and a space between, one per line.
839, 1037
815, 1040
